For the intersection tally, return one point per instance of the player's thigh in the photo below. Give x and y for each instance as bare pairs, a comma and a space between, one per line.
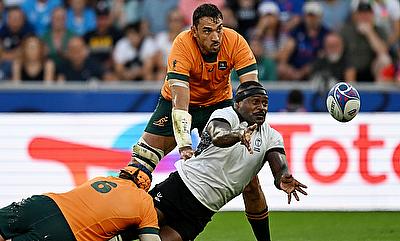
181, 210
169, 234
160, 122
33, 219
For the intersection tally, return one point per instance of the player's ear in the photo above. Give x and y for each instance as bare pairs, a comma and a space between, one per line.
194, 31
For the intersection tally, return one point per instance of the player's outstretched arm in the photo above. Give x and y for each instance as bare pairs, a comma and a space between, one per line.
222, 134
283, 179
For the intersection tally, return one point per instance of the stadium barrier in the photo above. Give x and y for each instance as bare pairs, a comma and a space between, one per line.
347, 166
143, 96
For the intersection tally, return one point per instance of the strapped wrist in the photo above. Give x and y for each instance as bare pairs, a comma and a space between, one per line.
181, 122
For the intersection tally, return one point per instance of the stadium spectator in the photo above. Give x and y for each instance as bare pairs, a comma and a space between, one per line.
5, 68
134, 55
12, 33
336, 13
3, 14
57, 37
12, 3
187, 7
96, 210
80, 17
234, 146
102, 40
365, 44
116, 9
387, 16
198, 83
303, 45
155, 12
78, 66
333, 64
269, 30
164, 41
246, 15
290, 13
266, 67
32, 63
230, 20
295, 101
131, 12
38, 13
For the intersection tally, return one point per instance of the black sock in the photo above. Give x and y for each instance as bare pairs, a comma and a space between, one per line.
260, 224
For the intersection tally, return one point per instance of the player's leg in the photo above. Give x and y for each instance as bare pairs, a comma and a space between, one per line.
257, 210
179, 209
158, 137
34, 218
169, 234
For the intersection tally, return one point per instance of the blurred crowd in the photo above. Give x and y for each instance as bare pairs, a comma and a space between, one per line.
129, 40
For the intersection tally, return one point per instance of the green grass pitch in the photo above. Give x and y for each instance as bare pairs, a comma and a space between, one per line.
308, 226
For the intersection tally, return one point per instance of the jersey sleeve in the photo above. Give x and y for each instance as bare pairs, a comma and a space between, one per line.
275, 139
227, 114
244, 59
149, 224
179, 63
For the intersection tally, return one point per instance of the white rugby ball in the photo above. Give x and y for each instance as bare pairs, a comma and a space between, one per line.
343, 102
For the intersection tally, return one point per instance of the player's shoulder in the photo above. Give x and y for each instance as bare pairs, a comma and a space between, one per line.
270, 132
226, 110
230, 32
185, 36
232, 36
227, 113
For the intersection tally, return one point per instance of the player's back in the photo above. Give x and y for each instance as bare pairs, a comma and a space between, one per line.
104, 204
208, 76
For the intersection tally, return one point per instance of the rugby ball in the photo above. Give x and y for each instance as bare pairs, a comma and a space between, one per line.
343, 102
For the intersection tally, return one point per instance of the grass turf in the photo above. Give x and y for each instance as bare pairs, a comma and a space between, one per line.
308, 226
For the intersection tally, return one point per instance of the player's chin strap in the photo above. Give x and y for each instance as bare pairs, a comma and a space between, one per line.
253, 90
146, 155
181, 122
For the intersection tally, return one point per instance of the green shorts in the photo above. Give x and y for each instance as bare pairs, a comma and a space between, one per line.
34, 218
160, 122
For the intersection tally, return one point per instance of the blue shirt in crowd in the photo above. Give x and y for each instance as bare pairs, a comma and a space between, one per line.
82, 25
39, 14
307, 48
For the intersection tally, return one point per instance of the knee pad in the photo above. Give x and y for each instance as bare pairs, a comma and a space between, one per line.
146, 155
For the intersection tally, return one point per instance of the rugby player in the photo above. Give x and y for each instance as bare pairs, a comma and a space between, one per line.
197, 83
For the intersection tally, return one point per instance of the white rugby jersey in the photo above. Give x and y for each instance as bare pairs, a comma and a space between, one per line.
217, 175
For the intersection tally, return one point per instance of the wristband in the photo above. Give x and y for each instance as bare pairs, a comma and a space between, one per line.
181, 122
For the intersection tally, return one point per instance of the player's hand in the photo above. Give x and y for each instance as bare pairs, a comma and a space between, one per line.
186, 152
290, 185
245, 137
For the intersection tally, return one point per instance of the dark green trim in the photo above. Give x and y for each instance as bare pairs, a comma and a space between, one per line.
211, 58
172, 75
149, 231
246, 69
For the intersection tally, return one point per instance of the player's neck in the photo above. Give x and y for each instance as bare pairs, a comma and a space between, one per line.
207, 56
